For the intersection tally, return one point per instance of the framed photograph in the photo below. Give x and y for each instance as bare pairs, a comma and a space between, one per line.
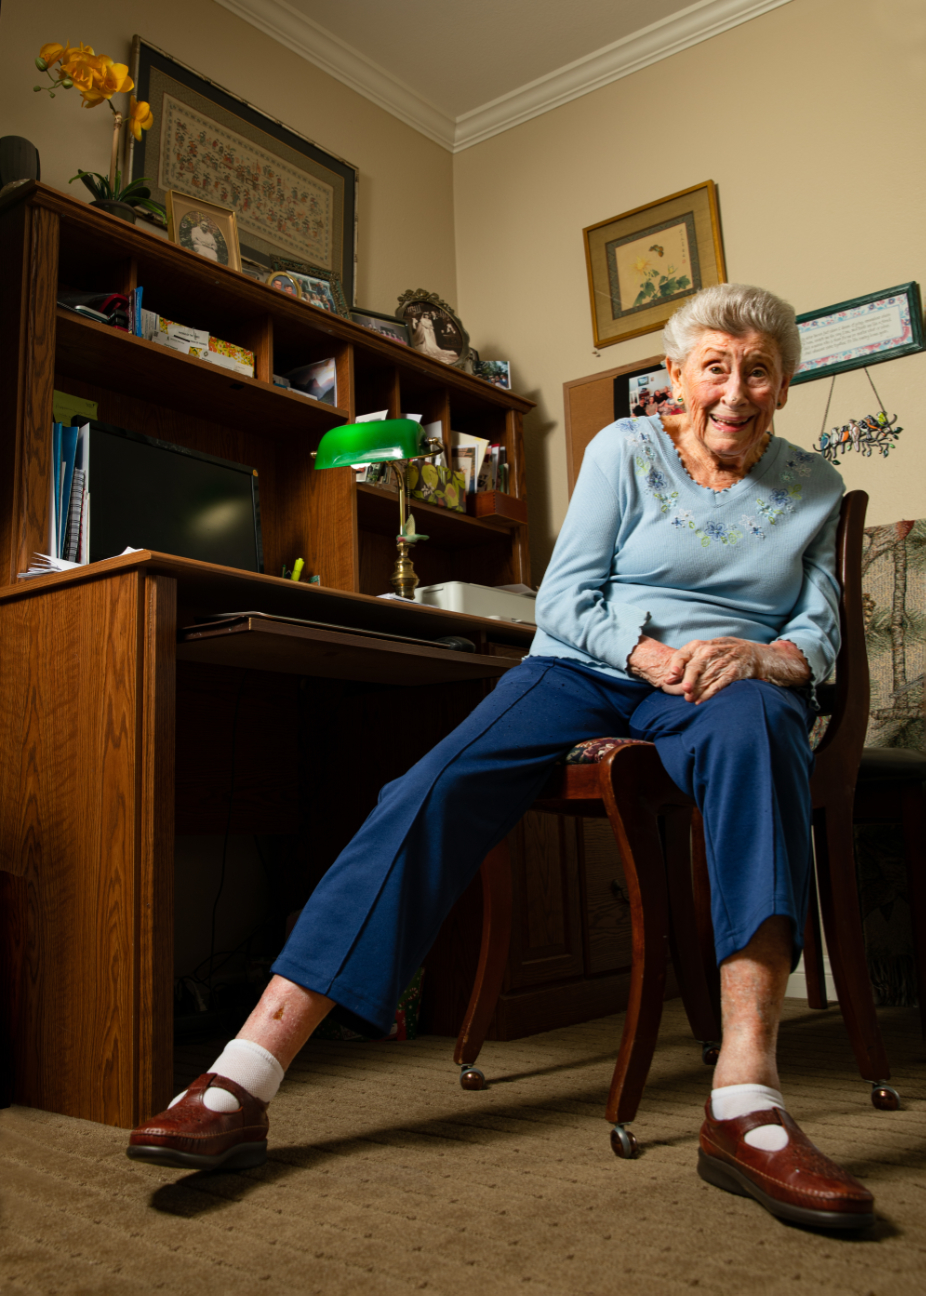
862, 331
497, 372
640, 392
284, 282
385, 325
321, 288
291, 197
642, 264
203, 228
433, 328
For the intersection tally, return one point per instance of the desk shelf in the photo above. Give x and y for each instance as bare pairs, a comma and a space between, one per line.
344, 531
135, 366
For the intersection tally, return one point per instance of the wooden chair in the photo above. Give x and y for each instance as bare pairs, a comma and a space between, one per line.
660, 839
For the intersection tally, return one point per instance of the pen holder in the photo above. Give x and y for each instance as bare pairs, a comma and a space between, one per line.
445, 487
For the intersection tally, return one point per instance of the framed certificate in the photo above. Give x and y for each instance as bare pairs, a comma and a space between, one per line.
863, 331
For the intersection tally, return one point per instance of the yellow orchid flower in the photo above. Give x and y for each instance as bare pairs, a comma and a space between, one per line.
82, 67
141, 118
641, 265
107, 78
49, 54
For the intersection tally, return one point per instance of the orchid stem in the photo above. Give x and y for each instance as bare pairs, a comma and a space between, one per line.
117, 126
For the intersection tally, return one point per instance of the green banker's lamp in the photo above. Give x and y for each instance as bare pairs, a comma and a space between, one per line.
389, 441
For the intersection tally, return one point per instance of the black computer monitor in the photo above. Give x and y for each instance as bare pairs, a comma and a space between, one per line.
151, 494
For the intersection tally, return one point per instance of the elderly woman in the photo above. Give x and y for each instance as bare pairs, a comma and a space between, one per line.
691, 600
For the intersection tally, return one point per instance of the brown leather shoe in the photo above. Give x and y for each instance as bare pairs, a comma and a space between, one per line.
191, 1137
798, 1183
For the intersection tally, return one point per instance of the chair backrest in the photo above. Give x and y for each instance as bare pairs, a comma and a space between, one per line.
847, 700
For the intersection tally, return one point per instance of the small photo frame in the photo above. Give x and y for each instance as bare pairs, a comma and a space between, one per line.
859, 332
496, 372
641, 392
320, 288
203, 228
284, 282
433, 328
644, 263
388, 326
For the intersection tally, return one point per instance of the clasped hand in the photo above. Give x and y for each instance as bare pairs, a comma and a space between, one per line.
703, 667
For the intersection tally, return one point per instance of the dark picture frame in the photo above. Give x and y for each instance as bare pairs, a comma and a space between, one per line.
320, 288
387, 326
650, 370
434, 329
188, 107
644, 263
860, 332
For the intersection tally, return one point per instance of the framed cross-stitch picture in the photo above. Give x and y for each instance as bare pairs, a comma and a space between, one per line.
290, 197
645, 262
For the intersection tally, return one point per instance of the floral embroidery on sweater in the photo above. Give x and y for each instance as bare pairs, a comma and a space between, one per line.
779, 504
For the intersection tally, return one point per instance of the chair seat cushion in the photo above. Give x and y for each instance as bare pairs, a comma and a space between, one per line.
888, 764
591, 751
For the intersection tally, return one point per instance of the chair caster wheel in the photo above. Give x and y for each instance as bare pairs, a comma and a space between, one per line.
710, 1052
623, 1143
471, 1077
884, 1097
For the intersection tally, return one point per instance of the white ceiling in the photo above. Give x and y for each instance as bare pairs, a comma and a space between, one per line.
460, 71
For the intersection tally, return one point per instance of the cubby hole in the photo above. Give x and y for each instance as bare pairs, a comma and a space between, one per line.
283, 465
376, 386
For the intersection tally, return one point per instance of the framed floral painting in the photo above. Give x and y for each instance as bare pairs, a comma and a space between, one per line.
643, 263
290, 197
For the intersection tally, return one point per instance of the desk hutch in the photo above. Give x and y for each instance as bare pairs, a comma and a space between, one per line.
116, 725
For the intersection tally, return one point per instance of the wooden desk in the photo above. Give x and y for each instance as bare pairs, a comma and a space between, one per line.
89, 672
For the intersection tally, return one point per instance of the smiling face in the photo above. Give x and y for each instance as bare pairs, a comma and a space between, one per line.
731, 387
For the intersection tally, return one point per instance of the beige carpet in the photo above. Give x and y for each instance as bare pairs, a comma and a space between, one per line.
386, 1178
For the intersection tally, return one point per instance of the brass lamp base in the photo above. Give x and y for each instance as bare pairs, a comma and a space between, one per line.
404, 577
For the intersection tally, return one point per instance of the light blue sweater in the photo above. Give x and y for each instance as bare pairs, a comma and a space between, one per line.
644, 549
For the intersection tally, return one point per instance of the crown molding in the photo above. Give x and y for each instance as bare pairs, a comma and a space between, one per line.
304, 37
699, 22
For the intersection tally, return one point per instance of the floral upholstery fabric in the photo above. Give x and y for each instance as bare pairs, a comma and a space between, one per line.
894, 599
591, 751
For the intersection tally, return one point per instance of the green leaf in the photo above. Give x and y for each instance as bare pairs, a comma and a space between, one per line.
683, 282
155, 207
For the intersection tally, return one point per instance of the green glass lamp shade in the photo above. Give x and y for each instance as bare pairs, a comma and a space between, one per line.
364, 443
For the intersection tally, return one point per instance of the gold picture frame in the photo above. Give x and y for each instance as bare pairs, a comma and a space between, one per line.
284, 282
203, 228
645, 262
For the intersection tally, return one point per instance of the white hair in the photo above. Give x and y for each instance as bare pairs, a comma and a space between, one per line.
736, 309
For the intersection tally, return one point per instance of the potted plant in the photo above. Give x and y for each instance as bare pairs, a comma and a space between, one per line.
98, 78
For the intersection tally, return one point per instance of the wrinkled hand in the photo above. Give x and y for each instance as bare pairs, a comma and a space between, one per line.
703, 667
654, 661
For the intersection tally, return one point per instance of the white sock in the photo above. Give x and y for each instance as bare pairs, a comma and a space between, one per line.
741, 1100
248, 1065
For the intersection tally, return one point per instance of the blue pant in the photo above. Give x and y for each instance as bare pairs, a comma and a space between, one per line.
743, 756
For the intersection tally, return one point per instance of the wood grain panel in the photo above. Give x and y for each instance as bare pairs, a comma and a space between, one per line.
546, 941
69, 694
32, 491
608, 938
589, 406
154, 881
13, 303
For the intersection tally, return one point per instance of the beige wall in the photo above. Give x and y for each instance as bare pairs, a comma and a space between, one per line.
397, 250
810, 121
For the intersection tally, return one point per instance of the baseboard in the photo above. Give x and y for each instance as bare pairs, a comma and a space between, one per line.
797, 981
